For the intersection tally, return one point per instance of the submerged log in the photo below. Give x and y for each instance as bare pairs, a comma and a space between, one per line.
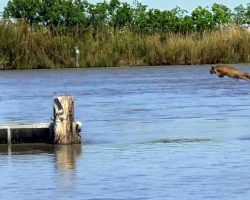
65, 128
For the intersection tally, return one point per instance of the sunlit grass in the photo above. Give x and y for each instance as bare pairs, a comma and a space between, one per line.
24, 48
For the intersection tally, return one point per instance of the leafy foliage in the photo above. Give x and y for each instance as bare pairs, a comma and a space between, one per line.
42, 33
63, 15
222, 14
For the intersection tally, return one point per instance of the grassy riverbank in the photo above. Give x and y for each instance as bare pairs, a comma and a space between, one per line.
23, 48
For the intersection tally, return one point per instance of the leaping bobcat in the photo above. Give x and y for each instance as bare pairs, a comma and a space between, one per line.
224, 70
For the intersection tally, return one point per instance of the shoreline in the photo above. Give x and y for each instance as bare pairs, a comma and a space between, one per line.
125, 67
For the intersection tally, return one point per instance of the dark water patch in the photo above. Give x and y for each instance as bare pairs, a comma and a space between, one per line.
95, 142
244, 138
181, 140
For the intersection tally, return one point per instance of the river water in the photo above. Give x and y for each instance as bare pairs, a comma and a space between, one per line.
149, 133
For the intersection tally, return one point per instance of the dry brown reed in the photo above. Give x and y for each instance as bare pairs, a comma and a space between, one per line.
24, 48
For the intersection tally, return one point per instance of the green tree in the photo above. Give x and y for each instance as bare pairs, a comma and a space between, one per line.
98, 13
186, 25
74, 13
62, 13
50, 13
178, 20
203, 19
168, 20
28, 10
121, 14
154, 20
97, 17
140, 18
240, 15
248, 14
222, 15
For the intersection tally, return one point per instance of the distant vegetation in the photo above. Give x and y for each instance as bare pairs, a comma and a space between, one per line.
42, 34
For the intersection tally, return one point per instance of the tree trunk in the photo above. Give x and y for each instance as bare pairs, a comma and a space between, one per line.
64, 125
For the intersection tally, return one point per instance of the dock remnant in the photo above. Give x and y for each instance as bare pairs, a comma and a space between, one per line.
63, 130
26, 133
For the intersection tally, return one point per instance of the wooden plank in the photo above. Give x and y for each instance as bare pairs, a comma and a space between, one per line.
25, 126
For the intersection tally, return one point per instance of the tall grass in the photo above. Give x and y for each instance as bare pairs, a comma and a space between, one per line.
22, 47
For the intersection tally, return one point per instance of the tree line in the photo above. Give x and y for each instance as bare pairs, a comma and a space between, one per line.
43, 33
61, 16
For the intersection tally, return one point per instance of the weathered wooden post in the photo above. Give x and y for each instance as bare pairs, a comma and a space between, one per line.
77, 54
65, 128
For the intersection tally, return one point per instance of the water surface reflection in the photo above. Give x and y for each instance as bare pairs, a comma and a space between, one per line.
64, 158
